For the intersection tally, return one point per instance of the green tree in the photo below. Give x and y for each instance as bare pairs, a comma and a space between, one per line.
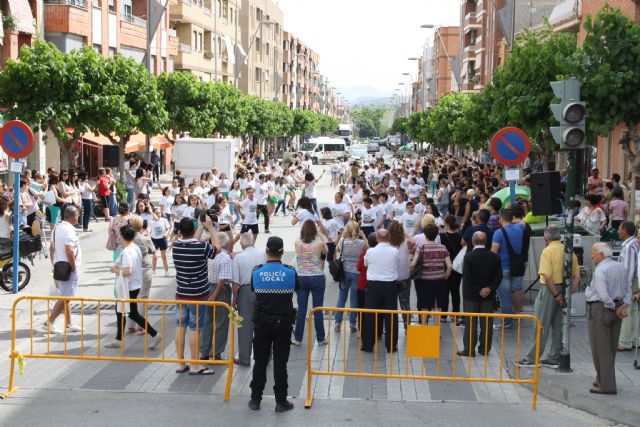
400, 125
368, 121
327, 124
190, 105
522, 93
608, 65
437, 125
474, 128
142, 107
233, 110
304, 122
54, 91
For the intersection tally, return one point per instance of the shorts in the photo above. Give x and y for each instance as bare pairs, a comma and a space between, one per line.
225, 227
104, 200
250, 227
186, 316
160, 244
69, 287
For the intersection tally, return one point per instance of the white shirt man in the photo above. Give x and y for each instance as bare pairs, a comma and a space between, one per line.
250, 210
382, 263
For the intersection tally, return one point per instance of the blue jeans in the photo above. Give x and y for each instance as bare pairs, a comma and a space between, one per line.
314, 202
87, 211
314, 285
236, 213
351, 280
113, 205
130, 197
508, 285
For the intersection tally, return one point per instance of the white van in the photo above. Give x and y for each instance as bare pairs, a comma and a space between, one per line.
324, 149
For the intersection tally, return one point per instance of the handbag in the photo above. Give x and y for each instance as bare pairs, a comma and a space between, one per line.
458, 261
61, 269
336, 267
111, 240
517, 263
49, 198
416, 271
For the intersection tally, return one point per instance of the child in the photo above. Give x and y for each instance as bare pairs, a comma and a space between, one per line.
159, 231
368, 217
409, 219
333, 228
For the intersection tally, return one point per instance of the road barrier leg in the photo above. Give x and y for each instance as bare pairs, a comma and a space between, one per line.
14, 354
307, 404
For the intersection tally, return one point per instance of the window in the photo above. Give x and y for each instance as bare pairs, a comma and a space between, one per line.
258, 15
200, 42
194, 42
112, 6
127, 7
267, 49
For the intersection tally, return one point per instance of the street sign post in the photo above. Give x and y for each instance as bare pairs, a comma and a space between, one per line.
16, 139
510, 146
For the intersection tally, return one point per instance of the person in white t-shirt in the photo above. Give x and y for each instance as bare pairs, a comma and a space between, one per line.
410, 219
160, 229
65, 247
128, 266
261, 195
340, 210
368, 217
399, 207
249, 214
86, 191
333, 228
190, 210
414, 189
380, 211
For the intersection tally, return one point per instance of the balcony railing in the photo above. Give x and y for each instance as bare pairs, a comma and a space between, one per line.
186, 48
77, 3
132, 19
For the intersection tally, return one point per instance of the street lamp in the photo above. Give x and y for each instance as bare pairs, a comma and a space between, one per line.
267, 22
429, 26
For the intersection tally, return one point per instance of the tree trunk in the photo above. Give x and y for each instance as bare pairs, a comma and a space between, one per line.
65, 155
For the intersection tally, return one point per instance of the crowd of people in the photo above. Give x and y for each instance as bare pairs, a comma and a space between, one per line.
428, 223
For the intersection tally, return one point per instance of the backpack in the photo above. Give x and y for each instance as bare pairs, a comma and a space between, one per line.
517, 262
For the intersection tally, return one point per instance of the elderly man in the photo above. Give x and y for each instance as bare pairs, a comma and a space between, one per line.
608, 297
629, 259
382, 291
243, 296
482, 274
220, 276
550, 300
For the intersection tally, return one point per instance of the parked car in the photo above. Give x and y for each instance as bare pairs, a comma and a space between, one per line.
373, 147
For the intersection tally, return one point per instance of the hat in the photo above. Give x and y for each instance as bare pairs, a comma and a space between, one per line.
275, 244
471, 193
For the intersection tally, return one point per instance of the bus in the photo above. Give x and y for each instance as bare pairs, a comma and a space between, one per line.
345, 131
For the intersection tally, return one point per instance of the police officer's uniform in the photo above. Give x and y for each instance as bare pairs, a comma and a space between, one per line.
274, 284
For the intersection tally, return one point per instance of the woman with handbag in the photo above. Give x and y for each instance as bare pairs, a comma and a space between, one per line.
431, 287
452, 240
128, 268
398, 238
348, 249
309, 251
115, 242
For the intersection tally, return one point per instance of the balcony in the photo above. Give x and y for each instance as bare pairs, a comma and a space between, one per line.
190, 12
132, 19
471, 22
185, 48
67, 16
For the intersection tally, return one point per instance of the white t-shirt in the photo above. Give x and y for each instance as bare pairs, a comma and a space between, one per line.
158, 228
250, 210
414, 190
131, 257
189, 212
224, 185
210, 201
165, 203
261, 193
369, 216
234, 195
420, 209
225, 216
177, 211
305, 215
310, 190
337, 211
399, 209
65, 235
410, 222
333, 229
85, 188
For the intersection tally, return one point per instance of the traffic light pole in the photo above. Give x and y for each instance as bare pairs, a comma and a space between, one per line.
570, 194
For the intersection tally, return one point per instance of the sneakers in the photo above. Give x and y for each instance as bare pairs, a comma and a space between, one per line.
74, 328
295, 342
167, 274
284, 406
50, 329
353, 329
499, 327
113, 344
550, 363
155, 342
254, 405
525, 363
321, 343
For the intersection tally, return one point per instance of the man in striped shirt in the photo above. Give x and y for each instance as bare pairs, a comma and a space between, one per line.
190, 257
629, 259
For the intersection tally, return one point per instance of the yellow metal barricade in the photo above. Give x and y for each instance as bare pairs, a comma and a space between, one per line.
423, 341
86, 351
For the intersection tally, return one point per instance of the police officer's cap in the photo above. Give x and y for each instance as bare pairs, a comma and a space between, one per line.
275, 244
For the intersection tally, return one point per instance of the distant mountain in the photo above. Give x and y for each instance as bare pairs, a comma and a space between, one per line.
360, 94
371, 102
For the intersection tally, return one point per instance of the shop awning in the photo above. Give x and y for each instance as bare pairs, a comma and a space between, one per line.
21, 13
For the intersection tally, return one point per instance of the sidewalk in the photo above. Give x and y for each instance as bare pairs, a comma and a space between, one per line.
573, 388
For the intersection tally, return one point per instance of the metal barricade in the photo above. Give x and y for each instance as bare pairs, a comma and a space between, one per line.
423, 341
85, 351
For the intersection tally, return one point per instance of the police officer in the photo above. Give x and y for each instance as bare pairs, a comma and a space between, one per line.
274, 284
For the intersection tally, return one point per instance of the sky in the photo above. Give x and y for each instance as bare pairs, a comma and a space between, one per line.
367, 42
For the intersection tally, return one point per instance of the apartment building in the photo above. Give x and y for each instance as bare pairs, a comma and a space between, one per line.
443, 75
209, 33
301, 85
22, 19
261, 72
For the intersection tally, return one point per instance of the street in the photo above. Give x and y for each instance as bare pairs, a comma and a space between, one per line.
68, 392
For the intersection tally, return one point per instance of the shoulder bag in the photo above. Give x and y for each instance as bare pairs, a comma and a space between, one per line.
517, 263
61, 269
458, 261
336, 266
111, 239
416, 271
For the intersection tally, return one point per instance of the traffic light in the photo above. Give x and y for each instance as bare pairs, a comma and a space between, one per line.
571, 113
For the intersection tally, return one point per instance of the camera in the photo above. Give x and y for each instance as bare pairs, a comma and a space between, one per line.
212, 213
